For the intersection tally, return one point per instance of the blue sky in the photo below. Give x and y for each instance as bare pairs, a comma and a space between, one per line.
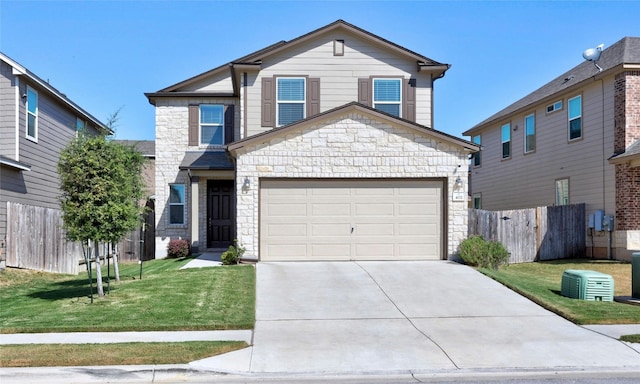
105, 54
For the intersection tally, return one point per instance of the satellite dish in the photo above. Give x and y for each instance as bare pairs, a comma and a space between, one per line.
593, 55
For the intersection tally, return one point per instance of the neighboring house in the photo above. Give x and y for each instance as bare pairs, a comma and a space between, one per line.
148, 150
319, 148
129, 247
574, 140
36, 123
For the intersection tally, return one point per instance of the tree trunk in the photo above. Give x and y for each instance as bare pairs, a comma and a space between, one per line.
98, 271
116, 268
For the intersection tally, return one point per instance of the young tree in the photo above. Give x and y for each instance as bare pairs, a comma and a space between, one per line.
101, 185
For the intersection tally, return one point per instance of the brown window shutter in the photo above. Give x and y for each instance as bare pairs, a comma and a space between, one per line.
194, 124
313, 96
409, 100
268, 102
364, 91
229, 118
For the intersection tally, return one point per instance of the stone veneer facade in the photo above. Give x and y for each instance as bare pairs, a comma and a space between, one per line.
627, 131
352, 146
172, 141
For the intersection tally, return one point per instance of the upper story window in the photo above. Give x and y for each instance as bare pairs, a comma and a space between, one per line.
575, 117
176, 203
529, 133
476, 156
506, 141
554, 107
211, 124
80, 124
387, 96
291, 100
32, 114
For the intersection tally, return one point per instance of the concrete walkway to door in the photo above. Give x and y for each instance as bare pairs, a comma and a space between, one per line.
390, 317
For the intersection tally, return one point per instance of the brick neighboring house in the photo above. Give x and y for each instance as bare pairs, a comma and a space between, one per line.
574, 140
318, 148
36, 122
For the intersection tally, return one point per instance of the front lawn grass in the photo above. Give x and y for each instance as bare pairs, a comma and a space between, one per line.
541, 282
166, 298
61, 355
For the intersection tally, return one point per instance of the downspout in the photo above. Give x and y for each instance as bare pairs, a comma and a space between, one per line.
433, 80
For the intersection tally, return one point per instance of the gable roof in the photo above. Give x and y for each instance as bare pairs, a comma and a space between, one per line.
625, 52
20, 70
255, 59
346, 109
146, 147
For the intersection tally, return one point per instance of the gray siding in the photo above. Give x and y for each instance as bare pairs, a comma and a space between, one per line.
528, 180
7, 112
39, 186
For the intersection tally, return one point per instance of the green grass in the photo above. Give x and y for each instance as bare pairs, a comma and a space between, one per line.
631, 338
541, 282
165, 299
60, 355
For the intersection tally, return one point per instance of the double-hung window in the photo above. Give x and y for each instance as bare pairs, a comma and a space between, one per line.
506, 141
176, 203
476, 156
529, 133
211, 124
290, 99
562, 192
477, 201
32, 114
387, 96
575, 117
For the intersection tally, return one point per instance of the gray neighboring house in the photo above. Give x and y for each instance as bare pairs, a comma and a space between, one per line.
574, 140
317, 148
36, 122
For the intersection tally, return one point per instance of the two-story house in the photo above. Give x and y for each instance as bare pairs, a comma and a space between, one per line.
36, 123
317, 148
574, 140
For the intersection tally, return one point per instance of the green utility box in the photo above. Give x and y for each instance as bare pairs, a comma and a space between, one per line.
635, 275
587, 285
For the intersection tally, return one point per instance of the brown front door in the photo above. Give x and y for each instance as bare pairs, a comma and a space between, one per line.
221, 216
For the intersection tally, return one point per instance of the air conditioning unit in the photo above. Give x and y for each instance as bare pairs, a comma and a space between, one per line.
587, 285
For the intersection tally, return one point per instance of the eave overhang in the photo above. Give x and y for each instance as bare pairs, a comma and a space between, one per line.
5, 161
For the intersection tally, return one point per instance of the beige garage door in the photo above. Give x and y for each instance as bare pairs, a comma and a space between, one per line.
350, 219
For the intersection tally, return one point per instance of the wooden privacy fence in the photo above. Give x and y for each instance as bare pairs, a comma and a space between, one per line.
36, 240
535, 234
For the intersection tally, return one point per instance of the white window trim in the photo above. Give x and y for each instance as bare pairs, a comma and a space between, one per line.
200, 124
33, 138
373, 94
303, 102
479, 143
502, 127
534, 133
569, 119
184, 205
557, 106
473, 201
568, 191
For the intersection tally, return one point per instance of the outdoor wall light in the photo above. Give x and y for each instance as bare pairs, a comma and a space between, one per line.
246, 185
458, 182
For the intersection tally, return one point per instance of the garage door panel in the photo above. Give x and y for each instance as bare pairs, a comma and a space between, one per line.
330, 209
286, 209
391, 219
330, 251
277, 229
330, 229
379, 229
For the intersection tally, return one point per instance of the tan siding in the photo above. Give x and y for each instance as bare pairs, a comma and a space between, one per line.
339, 74
220, 83
528, 180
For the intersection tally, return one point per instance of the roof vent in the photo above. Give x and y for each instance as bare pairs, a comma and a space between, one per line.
593, 55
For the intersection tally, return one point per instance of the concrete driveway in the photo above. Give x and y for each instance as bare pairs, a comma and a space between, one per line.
390, 317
